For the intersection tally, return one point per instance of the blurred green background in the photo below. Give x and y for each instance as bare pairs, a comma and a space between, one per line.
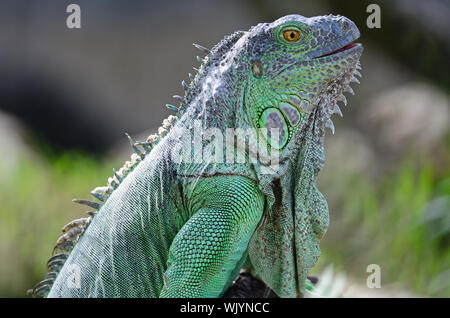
68, 96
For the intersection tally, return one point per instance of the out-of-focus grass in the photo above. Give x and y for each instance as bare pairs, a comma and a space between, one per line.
35, 203
393, 223
383, 222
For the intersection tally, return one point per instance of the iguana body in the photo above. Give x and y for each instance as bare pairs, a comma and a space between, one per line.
167, 227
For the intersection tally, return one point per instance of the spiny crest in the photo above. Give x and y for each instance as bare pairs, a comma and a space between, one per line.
212, 56
334, 109
102, 193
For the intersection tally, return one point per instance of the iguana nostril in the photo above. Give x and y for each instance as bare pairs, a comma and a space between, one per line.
257, 69
345, 25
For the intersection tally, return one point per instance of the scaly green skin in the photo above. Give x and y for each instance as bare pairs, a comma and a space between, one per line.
184, 229
208, 252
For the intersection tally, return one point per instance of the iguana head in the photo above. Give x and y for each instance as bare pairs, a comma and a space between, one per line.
298, 67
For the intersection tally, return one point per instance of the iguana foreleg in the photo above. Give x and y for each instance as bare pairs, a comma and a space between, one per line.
209, 250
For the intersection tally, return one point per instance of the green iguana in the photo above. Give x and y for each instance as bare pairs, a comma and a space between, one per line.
183, 216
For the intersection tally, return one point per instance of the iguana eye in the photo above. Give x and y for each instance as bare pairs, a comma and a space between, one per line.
291, 35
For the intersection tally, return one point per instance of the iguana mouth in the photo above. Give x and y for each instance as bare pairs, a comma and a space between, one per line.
344, 48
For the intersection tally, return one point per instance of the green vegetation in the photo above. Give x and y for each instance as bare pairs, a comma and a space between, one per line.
395, 223
391, 222
36, 203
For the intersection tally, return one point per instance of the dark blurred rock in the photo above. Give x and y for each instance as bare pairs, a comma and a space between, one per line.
432, 15
248, 286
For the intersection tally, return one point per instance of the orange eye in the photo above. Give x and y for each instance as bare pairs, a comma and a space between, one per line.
291, 35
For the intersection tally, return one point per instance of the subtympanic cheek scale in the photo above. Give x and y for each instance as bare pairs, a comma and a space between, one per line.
272, 118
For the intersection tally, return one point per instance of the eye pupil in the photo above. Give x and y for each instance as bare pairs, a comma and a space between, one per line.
291, 35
